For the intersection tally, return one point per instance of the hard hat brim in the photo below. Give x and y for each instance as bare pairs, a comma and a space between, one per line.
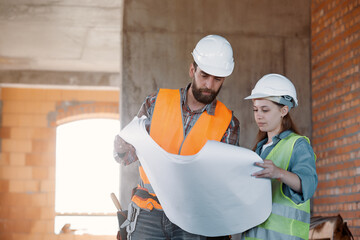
257, 95
262, 95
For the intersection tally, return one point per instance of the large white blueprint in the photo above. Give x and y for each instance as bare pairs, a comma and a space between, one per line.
211, 193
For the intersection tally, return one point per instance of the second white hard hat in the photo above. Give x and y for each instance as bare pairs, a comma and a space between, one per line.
213, 54
274, 85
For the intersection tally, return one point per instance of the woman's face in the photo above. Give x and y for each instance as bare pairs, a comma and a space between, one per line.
268, 115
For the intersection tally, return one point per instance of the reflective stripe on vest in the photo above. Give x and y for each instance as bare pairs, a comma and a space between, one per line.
287, 220
145, 183
262, 233
167, 129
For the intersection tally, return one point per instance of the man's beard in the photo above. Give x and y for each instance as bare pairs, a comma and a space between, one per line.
198, 93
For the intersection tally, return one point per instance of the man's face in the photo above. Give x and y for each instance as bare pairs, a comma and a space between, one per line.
205, 87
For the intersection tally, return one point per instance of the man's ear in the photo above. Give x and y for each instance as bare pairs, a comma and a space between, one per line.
192, 70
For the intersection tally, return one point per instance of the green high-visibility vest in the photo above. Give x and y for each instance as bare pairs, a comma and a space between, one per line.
287, 220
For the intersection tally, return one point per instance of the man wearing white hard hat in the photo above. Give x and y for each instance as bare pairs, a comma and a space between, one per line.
289, 161
181, 121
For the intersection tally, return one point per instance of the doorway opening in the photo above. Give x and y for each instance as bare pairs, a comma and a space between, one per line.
86, 174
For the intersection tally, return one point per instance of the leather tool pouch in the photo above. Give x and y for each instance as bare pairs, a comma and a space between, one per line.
122, 216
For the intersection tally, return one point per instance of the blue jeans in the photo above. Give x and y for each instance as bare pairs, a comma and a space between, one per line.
154, 225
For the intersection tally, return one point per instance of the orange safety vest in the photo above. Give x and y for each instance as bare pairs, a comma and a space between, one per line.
167, 129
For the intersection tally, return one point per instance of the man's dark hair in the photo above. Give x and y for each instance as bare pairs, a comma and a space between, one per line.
195, 65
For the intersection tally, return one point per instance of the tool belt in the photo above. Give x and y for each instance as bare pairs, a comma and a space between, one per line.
145, 200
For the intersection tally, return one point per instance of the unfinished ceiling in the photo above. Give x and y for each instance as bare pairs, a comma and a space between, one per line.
60, 35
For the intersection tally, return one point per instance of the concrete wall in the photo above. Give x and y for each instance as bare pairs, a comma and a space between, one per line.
267, 36
60, 79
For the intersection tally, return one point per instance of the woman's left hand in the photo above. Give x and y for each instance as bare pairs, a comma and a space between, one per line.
272, 171
269, 171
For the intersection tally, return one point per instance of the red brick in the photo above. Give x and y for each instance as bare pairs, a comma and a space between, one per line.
5, 132
4, 186
17, 159
40, 173
43, 146
40, 159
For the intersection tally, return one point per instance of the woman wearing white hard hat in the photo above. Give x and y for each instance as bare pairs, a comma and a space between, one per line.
289, 161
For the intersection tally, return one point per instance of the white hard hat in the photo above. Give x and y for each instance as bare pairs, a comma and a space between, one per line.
213, 54
275, 85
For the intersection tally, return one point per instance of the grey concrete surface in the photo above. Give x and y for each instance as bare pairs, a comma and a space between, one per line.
60, 78
60, 35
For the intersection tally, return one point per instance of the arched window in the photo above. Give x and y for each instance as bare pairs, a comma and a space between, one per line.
86, 174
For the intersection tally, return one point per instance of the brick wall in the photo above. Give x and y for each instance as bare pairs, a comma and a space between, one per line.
335, 29
27, 161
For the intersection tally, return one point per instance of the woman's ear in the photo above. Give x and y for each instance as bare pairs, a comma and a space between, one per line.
284, 110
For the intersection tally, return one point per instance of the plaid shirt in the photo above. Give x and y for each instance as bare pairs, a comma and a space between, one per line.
190, 117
